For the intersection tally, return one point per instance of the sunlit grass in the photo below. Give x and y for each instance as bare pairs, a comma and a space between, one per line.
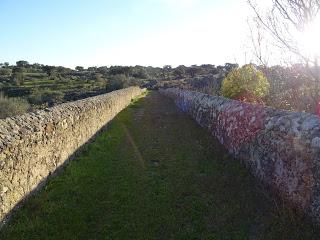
10, 107
155, 174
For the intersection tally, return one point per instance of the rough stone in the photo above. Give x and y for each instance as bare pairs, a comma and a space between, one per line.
315, 142
281, 148
34, 145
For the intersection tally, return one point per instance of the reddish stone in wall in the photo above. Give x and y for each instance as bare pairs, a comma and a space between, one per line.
281, 148
240, 124
318, 109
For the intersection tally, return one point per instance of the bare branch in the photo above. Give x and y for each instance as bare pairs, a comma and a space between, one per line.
285, 16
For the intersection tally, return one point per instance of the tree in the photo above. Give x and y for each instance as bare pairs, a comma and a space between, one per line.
283, 20
50, 70
280, 24
290, 88
230, 66
103, 70
118, 81
193, 70
245, 84
36, 66
118, 70
79, 68
22, 64
166, 70
92, 69
140, 72
208, 69
62, 70
5, 72
180, 72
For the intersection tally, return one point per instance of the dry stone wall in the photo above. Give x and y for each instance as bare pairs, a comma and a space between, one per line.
33, 146
281, 148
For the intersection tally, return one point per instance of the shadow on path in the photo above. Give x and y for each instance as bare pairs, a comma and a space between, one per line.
155, 174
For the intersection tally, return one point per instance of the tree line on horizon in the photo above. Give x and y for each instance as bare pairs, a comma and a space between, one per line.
38, 86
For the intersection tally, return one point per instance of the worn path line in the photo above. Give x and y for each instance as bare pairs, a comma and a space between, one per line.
134, 146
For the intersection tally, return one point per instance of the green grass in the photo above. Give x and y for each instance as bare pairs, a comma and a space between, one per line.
45, 83
155, 174
38, 82
42, 83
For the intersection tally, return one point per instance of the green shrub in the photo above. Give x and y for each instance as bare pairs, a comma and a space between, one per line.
117, 81
46, 97
246, 84
10, 107
5, 71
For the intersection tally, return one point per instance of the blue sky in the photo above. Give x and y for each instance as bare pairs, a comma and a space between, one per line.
128, 32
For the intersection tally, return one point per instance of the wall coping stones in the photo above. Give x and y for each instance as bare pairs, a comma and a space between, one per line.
281, 148
34, 145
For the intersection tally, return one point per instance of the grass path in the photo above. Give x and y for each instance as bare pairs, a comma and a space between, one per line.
155, 174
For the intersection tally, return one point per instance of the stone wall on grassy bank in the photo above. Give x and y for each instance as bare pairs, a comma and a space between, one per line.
281, 148
33, 146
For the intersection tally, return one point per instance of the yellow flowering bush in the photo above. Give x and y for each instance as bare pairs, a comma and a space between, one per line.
246, 84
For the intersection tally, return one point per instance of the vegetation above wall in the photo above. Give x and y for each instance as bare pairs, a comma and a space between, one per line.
42, 85
246, 84
291, 88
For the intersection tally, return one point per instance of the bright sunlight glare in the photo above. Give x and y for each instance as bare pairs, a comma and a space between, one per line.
310, 38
